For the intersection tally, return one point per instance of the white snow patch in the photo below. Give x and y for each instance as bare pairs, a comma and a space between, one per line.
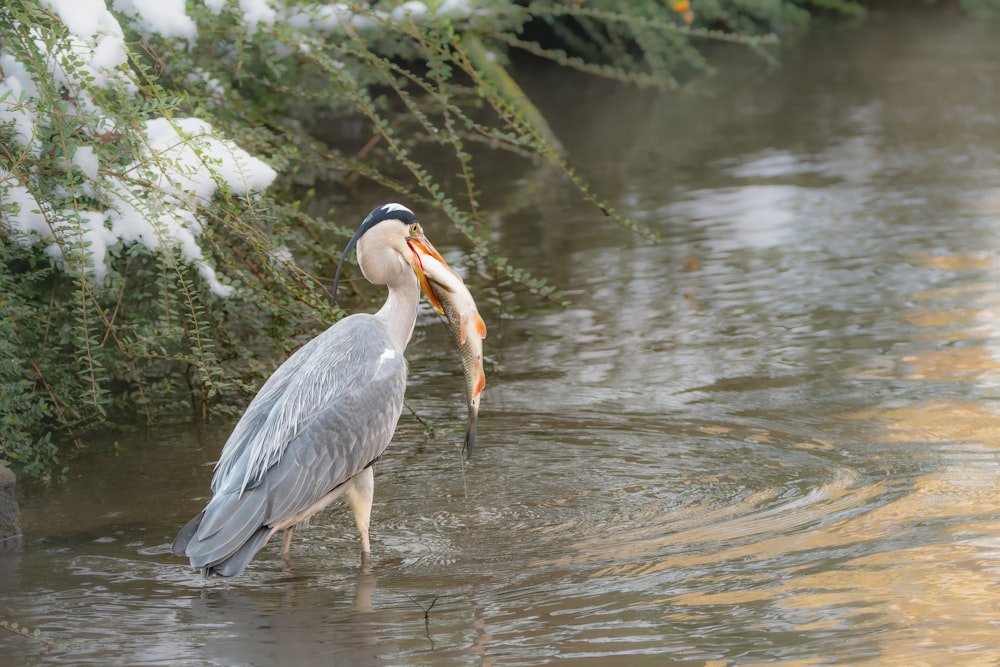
93, 53
21, 210
106, 55
86, 159
187, 164
17, 108
191, 162
333, 16
184, 163
257, 11
167, 18
324, 18
253, 12
87, 231
87, 19
281, 255
456, 8
212, 86
407, 10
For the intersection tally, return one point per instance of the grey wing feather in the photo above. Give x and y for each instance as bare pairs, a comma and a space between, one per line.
342, 357
362, 436
324, 415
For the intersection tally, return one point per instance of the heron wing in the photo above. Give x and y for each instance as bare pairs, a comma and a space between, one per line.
340, 360
362, 426
324, 415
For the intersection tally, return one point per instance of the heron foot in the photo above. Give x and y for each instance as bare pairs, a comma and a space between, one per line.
366, 562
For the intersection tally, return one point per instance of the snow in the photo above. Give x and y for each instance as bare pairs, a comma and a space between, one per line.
188, 165
93, 237
16, 89
255, 12
184, 148
212, 86
156, 224
412, 9
86, 159
20, 208
156, 200
93, 53
324, 18
185, 163
167, 18
330, 17
215, 6
87, 19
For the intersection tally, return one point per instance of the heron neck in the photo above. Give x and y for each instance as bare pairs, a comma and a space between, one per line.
399, 313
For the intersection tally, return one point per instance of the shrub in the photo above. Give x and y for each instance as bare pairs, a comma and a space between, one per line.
154, 253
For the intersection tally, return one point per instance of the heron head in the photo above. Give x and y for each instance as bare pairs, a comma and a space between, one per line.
390, 234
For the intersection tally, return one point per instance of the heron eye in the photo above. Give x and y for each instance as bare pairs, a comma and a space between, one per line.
414, 229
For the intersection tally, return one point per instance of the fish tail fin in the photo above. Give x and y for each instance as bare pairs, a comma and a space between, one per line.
470, 435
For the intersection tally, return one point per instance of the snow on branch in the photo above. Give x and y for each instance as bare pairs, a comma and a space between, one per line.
178, 164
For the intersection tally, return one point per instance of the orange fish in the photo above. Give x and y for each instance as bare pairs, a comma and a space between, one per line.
468, 330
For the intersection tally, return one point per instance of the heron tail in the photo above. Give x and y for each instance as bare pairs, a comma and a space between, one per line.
234, 564
228, 532
179, 547
231, 565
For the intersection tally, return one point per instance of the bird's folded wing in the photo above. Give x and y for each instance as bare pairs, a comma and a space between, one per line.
341, 361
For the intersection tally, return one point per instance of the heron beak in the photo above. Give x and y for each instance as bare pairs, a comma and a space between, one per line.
421, 247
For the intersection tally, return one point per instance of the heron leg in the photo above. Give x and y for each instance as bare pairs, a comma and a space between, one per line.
359, 497
287, 542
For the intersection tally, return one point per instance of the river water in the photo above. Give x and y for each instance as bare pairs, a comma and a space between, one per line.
769, 438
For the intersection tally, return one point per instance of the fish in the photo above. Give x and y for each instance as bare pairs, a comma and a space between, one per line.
467, 328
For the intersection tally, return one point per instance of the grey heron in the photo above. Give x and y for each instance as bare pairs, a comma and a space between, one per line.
316, 427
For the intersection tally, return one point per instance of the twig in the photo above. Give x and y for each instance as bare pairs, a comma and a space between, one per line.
428, 429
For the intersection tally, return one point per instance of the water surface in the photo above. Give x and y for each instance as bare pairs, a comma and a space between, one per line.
768, 438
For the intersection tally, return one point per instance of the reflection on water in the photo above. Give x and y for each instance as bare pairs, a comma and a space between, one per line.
769, 438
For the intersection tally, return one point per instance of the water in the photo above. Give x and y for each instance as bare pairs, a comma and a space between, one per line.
768, 438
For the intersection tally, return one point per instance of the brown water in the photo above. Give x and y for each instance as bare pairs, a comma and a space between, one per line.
770, 438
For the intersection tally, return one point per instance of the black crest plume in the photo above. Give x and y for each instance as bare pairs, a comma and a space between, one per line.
378, 214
